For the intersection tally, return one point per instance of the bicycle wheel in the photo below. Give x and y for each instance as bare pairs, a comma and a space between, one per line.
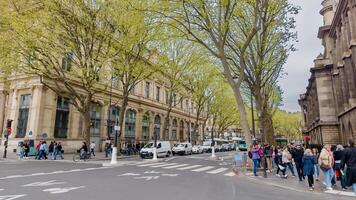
76, 157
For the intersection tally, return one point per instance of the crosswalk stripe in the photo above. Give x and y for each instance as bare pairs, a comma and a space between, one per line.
217, 171
150, 164
230, 174
189, 167
163, 165
175, 166
202, 169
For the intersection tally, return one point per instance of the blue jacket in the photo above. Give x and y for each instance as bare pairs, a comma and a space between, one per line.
308, 165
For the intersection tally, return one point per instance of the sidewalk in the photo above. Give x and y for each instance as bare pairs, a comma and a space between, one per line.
293, 183
99, 156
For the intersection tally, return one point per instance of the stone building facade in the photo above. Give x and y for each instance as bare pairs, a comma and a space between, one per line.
38, 113
329, 104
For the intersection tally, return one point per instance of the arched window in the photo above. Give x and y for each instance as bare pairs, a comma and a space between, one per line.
181, 131
95, 120
113, 119
157, 127
130, 122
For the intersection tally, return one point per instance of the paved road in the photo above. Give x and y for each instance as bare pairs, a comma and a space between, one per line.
194, 177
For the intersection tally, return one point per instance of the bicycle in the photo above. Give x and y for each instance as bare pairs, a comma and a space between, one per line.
81, 156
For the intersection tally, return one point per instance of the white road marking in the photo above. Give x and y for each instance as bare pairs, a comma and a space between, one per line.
189, 167
350, 194
11, 197
1, 189
202, 169
175, 166
41, 184
171, 175
230, 174
217, 171
61, 190
147, 178
163, 165
150, 164
129, 174
153, 172
49, 173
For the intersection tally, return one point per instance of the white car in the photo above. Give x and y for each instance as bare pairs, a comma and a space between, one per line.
197, 149
163, 149
182, 149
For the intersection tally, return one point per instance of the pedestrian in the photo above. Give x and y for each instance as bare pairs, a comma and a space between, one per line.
349, 165
279, 163
51, 151
38, 149
316, 164
59, 151
326, 165
27, 150
287, 160
255, 151
308, 161
92, 148
267, 152
83, 150
297, 156
338, 155
43, 149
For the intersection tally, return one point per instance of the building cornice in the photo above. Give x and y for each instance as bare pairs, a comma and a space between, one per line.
323, 30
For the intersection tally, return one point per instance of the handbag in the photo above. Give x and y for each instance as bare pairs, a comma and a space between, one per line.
324, 166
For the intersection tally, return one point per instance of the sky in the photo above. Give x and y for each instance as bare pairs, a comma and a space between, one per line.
308, 47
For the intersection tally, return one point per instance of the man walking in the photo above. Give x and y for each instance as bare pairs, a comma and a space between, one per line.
298, 160
92, 148
349, 159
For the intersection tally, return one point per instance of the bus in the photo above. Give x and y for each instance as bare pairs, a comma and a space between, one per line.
240, 143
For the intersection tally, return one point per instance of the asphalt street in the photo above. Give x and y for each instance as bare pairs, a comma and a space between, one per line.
181, 177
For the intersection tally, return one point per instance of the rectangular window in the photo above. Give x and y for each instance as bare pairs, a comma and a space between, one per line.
62, 118
158, 90
167, 97
187, 105
174, 99
95, 120
25, 102
132, 90
114, 119
67, 61
147, 90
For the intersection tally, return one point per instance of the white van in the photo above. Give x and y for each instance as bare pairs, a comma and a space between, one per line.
182, 149
163, 149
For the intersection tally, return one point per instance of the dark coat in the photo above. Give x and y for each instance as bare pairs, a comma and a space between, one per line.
350, 161
298, 155
308, 165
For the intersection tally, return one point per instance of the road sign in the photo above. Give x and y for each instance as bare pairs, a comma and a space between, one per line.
117, 128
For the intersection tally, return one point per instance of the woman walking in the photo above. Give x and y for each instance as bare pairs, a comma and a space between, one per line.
326, 161
287, 161
316, 164
278, 161
308, 167
255, 151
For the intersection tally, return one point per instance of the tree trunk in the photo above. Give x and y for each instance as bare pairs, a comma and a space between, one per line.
243, 115
196, 125
265, 119
86, 126
122, 116
166, 121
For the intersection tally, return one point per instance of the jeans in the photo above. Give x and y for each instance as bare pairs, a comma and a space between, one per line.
51, 155
299, 167
290, 166
58, 153
92, 152
41, 154
256, 164
317, 170
328, 175
354, 187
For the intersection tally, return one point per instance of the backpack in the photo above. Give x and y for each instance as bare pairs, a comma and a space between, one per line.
250, 154
260, 152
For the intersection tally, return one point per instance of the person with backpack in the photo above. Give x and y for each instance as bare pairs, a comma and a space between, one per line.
51, 151
297, 156
255, 151
267, 153
38, 149
59, 151
326, 162
338, 155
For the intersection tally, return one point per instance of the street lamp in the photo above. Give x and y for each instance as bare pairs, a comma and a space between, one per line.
212, 143
114, 149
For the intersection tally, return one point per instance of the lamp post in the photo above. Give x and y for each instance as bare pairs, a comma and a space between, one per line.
212, 144
114, 149
157, 126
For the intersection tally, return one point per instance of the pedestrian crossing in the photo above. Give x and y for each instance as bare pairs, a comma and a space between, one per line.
188, 167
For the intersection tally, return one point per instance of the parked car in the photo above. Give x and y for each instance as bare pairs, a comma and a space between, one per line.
197, 149
163, 149
225, 147
206, 147
182, 149
232, 146
218, 148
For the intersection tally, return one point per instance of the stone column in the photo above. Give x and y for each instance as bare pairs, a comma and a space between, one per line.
138, 125
352, 19
35, 119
